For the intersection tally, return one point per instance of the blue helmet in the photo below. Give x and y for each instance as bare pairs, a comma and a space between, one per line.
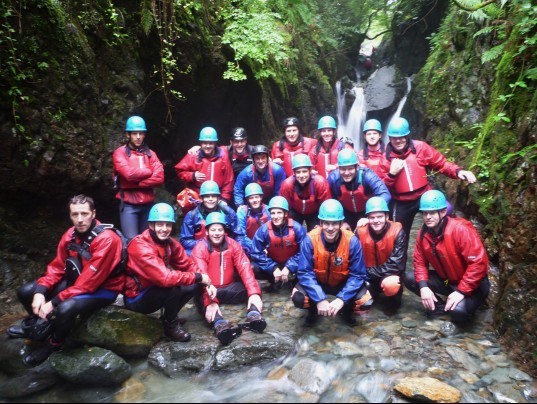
252, 189
161, 212
326, 122
208, 134
376, 204
215, 217
331, 210
372, 124
135, 124
433, 200
209, 187
301, 160
347, 157
278, 202
398, 127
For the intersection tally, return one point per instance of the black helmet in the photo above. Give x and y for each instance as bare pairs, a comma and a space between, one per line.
292, 121
259, 149
238, 134
35, 328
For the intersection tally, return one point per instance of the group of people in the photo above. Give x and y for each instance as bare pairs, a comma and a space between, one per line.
328, 223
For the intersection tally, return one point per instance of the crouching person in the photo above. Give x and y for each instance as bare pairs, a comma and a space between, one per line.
79, 280
160, 274
331, 263
231, 273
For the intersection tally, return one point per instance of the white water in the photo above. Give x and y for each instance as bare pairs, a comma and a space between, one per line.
350, 123
399, 109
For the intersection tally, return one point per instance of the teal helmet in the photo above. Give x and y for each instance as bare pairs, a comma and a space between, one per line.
326, 122
372, 124
376, 204
161, 212
278, 202
135, 124
398, 127
347, 157
252, 189
214, 218
301, 160
209, 187
208, 134
433, 200
331, 210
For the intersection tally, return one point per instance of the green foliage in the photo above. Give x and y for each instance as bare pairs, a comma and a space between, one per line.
103, 18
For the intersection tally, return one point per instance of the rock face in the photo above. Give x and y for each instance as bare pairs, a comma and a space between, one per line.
427, 388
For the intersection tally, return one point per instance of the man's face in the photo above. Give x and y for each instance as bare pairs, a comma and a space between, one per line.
216, 233
330, 230
372, 137
210, 201
161, 229
82, 216
254, 201
302, 175
377, 221
348, 173
432, 218
239, 146
327, 134
291, 134
260, 161
208, 148
278, 216
136, 139
398, 143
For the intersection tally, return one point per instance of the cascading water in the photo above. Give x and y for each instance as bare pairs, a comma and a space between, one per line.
350, 123
399, 109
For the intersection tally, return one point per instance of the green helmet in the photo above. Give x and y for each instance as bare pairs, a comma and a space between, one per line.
215, 217
252, 189
326, 122
278, 202
208, 134
347, 157
376, 204
398, 127
161, 212
331, 210
135, 124
301, 160
433, 200
209, 187
372, 124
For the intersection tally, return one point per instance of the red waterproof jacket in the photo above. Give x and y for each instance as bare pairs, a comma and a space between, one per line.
306, 200
138, 172
411, 183
105, 250
320, 157
222, 263
305, 146
457, 255
161, 264
376, 161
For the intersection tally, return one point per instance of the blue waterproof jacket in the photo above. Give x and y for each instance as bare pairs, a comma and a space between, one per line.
246, 177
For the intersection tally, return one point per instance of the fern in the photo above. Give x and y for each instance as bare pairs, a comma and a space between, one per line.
492, 53
146, 17
484, 31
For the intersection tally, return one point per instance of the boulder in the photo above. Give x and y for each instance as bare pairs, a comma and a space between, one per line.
29, 382
427, 389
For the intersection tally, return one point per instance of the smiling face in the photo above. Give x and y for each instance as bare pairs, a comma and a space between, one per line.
327, 135
254, 201
136, 139
260, 161
239, 146
208, 148
82, 216
302, 175
348, 173
291, 134
377, 221
161, 229
278, 216
216, 233
432, 218
210, 201
372, 138
330, 230
398, 143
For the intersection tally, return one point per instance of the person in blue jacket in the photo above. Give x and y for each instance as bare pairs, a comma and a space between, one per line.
353, 185
331, 263
267, 174
276, 245
251, 216
193, 227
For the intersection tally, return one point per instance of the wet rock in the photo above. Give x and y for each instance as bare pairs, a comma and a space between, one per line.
29, 382
505, 393
132, 391
11, 353
310, 376
463, 358
448, 329
91, 366
427, 388
516, 374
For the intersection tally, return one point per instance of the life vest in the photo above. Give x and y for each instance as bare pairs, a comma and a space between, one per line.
331, 268
412, 177
199, 228
253, 222
304, 206
239, 162
266, 186
213, 168
377, 252
325, 158
353, 200
220, 266
281, 248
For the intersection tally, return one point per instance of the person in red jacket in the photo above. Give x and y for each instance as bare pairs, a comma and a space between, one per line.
160, 274
324, 155
409, 162
231, 273
79, 280
291, 143
138, 171
453, 248
209, 163
305, 192
372, 155
384, 247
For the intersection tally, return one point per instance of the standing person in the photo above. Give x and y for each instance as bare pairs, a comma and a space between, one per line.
384, 247
160, 274
251, 216
331, 263
453, 248
409, 162
193, 227
138, 171
82, 278
276, 245
267, 174
291, 143
372, 155
324, 155
231, 273
353, 185
209, 163
305, 192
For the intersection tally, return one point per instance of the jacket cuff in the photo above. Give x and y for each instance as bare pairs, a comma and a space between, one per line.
55, 301
391, 175
423, 284
41, 289
199, 277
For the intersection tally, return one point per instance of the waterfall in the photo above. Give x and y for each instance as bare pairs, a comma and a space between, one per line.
398, 111
350, 123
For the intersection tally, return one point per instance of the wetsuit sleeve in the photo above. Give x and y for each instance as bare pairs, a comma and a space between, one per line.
396, 262
305, 273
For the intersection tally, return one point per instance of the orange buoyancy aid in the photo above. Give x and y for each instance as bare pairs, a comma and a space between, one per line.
281, 248
412, 177
331, 268
377, 252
